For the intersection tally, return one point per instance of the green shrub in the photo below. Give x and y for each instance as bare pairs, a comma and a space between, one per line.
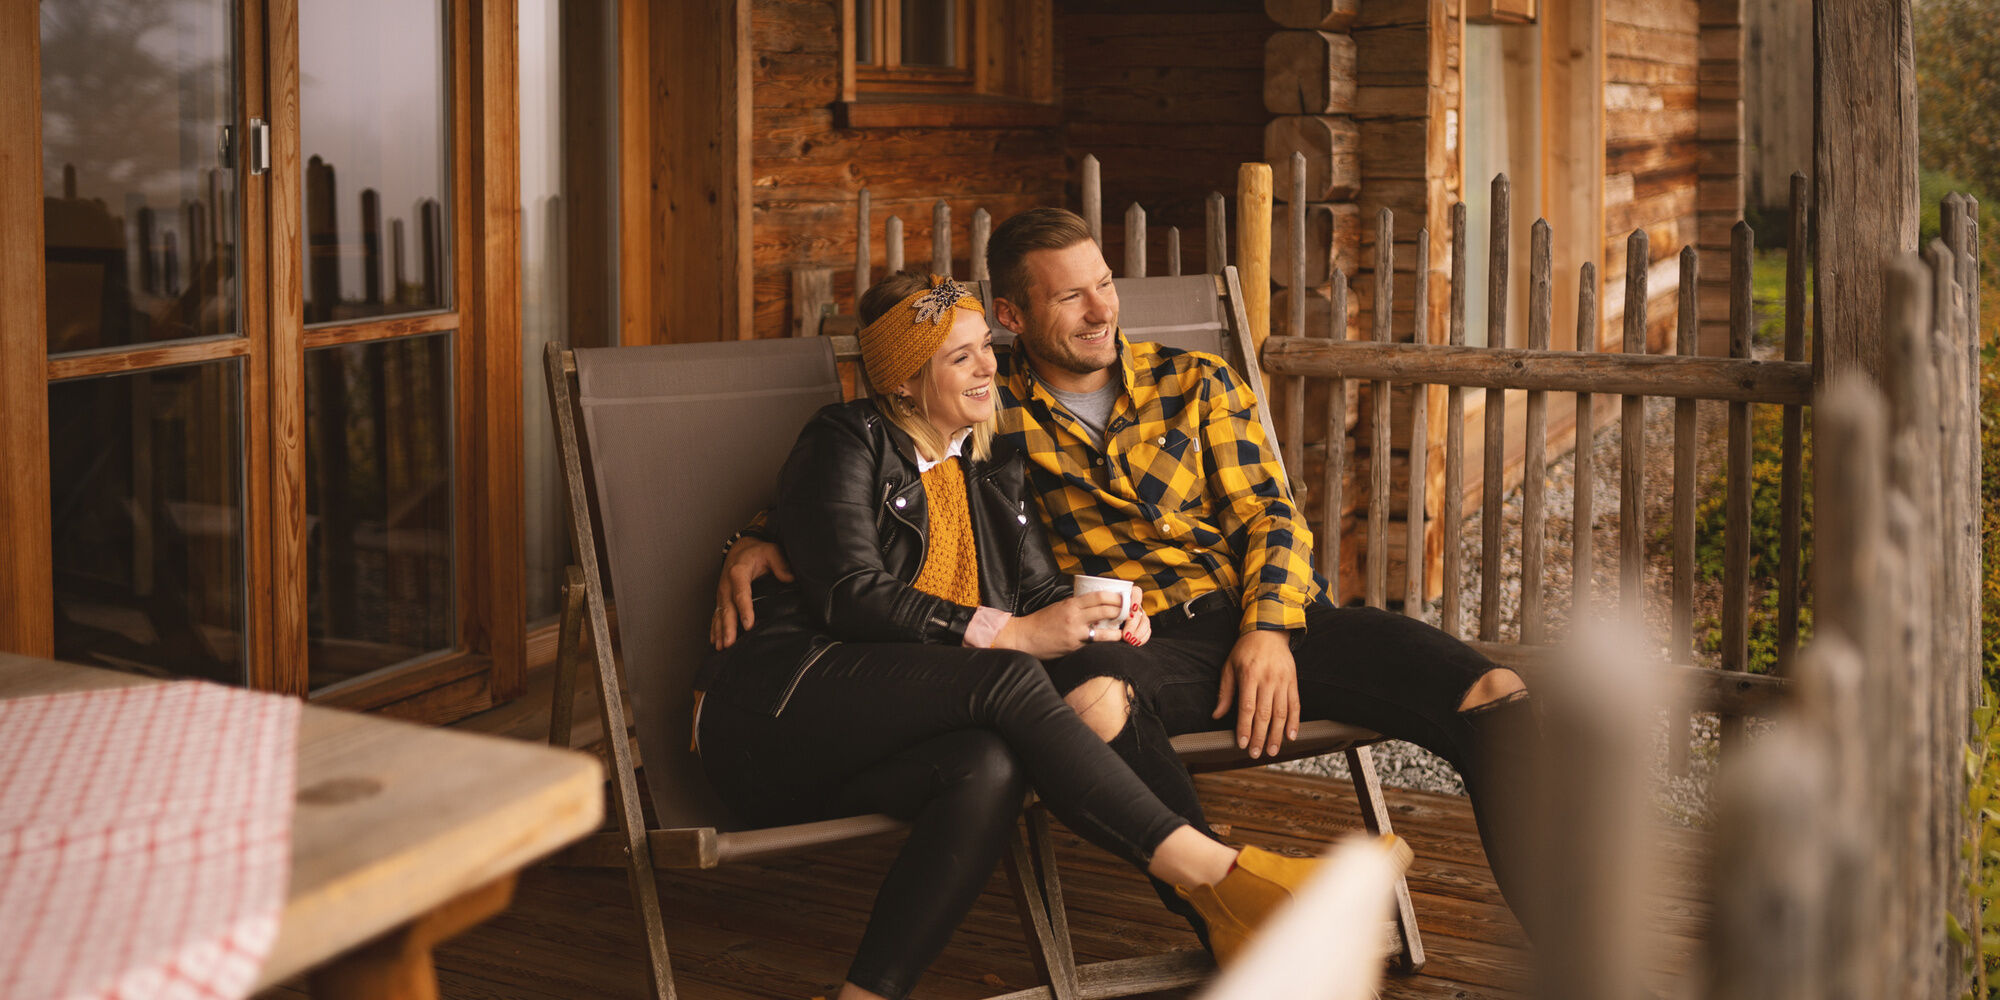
1710, 517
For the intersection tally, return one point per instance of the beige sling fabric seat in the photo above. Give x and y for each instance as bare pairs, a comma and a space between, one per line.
665, 452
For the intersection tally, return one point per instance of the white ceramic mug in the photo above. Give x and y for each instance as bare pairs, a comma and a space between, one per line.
1092, 584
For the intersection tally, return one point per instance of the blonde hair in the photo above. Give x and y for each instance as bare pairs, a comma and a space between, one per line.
909, 415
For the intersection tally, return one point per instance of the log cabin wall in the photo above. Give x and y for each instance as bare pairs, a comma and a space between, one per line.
806, 173
1651, 154
1169, 98
1722, 185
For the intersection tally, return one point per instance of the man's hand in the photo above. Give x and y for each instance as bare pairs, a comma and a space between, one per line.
1263, 682
751, 557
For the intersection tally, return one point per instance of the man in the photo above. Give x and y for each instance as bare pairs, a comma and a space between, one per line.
1149, 464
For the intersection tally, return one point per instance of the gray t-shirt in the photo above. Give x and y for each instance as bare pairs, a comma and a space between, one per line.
1092, 409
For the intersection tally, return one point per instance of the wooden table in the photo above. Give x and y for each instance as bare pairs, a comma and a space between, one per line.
402, 836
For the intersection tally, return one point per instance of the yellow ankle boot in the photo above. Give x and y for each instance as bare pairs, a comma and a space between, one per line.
1259, 885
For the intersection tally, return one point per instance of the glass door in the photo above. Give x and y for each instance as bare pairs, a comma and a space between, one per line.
149, 355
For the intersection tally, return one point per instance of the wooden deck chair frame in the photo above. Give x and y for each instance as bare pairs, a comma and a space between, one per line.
635, 845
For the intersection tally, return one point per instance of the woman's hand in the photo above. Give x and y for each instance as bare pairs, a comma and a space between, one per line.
1065, 626
1138, 627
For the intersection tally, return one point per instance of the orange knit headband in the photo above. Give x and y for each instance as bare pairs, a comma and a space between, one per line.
898, 343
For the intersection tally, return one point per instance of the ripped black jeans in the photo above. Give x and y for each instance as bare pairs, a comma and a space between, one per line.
947, 738
1360, 666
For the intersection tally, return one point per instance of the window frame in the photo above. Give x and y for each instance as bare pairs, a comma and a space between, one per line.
1007, 80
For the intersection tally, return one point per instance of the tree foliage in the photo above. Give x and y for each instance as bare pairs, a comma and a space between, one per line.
1958, 88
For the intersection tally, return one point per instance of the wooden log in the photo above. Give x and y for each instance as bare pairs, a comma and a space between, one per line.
864, 275
1415, 559
1217, 233
1093, 199
1791, 467
1583, 566
1736, 500
892, 244
1326, 15
1173, 251
1960, 600
1291, 238
1253, 246
1687, 341
1865, 98
1309, 73
1335, 330
1534, 467
1135, 240
1378, 447
1454, 438
941, 238
1632, 440
1330, 146
982, 234
1495, 455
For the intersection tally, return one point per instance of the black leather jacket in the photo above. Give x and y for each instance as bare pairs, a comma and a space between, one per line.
853, 518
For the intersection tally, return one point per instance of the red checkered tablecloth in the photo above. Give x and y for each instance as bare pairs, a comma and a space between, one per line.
145, 838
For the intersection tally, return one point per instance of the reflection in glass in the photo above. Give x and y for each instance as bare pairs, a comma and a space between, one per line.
146, 493
139, 187
378, 505
372, 126
569, 238
930, 33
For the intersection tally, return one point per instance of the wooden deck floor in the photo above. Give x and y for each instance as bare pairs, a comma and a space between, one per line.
787, 929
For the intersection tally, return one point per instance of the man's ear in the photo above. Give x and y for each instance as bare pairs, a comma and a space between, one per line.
1008, 315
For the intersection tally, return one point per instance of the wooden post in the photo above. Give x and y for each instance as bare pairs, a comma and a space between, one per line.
892, 244
1333, 493
982, 234
1415, 559
1452, 508
1772, 866
941, 238
1534, 466
1295, 212
1687, 342
1632, 439
1217, 234
1864, 173
812, 299
1093, 200
1736, 500
863, 267
1135, 240
1960, 678
1495, 472
1379, 458
1253, 246
1295, 387
1583, 567
1791, 475
27, 608
1173, 251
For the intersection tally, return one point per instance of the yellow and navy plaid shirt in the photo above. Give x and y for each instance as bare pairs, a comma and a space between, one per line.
1184, 497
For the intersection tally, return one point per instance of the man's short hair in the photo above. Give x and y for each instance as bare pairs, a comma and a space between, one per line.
1034, 229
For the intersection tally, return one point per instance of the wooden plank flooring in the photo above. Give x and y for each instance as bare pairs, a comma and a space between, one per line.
787, 929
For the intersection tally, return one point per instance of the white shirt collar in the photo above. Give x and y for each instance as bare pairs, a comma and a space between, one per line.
951, 451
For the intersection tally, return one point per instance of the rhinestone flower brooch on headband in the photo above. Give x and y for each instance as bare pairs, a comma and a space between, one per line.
938, 301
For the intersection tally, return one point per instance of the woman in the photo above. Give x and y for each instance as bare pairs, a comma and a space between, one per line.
901, 673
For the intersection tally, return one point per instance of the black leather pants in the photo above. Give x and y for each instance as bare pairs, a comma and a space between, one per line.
948, 738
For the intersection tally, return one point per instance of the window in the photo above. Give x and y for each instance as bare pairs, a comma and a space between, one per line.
962, 63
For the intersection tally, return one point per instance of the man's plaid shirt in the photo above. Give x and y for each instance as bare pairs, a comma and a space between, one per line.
1184, 498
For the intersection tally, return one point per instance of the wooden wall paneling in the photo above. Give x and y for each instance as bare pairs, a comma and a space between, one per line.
1778, 95
590, 109
701, 272
254, 269
27, 610
1652, 55
284, 668
635, 172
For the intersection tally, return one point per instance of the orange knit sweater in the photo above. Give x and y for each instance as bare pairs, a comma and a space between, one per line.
951, 566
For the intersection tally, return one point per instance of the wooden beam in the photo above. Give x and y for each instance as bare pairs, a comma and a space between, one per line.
635, 171
27, 609
1573, 151
1864, 174
1783, 382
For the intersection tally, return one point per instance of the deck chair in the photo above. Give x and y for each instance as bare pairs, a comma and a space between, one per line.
665, 450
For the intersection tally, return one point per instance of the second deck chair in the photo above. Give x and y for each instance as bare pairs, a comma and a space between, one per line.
666, 449
1204, 312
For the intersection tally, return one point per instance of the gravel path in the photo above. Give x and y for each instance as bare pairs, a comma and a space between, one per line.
1683, 799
